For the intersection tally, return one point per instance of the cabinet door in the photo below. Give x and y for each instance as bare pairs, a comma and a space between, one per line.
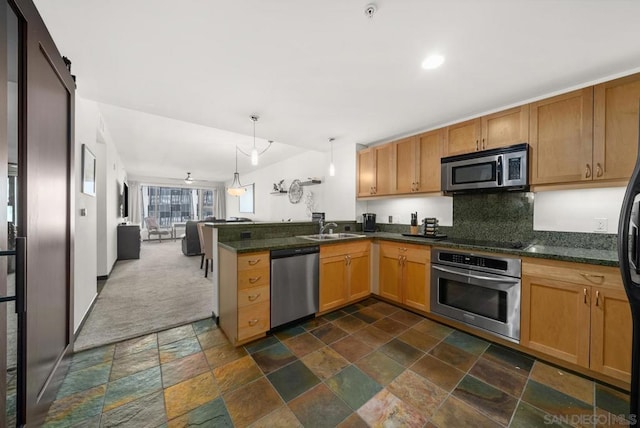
385, 172
366, 172
405, 165
555, 319
333, 282
561, 138
359, 276
463, 137
416, 279
505, 128
389, 273
429, 152
611, 333
615, 127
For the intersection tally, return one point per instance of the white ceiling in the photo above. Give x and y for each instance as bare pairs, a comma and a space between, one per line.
167, 72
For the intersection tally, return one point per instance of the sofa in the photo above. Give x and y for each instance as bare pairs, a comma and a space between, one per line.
191, 240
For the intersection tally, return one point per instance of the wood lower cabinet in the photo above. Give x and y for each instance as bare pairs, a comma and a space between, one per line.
577, 313
615, 128
245, 295
344, 274
404, 274
561, 138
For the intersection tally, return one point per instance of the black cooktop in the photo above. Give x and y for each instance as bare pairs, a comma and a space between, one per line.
517, 245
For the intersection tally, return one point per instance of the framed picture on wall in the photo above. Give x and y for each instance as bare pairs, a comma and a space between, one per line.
247, 200
88, 171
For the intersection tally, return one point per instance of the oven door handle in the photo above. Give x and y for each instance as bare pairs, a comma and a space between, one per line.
478, 277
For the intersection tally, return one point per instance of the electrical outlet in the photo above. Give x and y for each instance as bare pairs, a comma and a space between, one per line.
600, 224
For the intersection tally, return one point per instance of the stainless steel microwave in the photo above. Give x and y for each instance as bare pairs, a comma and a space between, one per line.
499, 169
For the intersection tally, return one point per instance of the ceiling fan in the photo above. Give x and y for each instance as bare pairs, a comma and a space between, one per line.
188, 179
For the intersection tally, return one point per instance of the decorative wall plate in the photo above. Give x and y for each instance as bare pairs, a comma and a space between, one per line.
295, 192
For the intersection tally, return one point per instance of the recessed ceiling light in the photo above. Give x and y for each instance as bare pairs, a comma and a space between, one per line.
432, 61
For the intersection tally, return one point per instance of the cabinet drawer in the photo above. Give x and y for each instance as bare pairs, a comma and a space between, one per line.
253, 261
394, 249
331, 250
253, 319
253, 295
577, 273
253, 278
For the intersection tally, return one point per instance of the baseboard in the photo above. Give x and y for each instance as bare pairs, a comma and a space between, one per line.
215, 318
105, 277
85, 317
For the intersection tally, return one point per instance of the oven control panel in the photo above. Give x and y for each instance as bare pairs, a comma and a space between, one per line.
499, 265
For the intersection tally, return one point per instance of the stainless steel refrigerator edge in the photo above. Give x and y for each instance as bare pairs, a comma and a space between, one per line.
294, 284
629, 257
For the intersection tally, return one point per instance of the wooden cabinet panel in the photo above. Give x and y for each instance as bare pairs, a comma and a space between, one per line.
582, 274
384, 171
333, 282
366, 172
429, 147
611, 329
389, 275
405, 165
615, 127
253, 278
463, 137
344, 274
249, 296
505, 128
253, 320
561, 138
253, 261
416, 282
555, 319
359, 276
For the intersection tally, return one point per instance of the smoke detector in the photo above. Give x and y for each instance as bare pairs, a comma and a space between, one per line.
370, 10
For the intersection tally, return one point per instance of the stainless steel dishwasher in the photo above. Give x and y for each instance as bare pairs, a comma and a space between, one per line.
294, 284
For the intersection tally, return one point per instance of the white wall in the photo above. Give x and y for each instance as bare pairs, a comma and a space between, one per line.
335, 196
95, 233
85, 258
575, 210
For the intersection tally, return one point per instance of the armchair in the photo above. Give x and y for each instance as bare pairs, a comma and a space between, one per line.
154, 228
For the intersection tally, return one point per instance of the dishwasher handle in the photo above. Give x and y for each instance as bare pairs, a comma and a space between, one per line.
292, 252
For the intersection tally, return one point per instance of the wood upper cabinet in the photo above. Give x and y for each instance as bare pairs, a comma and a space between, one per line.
366, 172
615, 127
577, 313
375, 171
344, 274
417, 163
500, 129
505, 128
561, 138
463, 137
404, 274
428, 153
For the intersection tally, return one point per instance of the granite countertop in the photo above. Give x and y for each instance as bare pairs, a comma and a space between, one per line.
577, 255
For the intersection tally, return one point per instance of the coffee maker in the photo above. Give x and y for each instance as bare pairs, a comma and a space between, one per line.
368, 222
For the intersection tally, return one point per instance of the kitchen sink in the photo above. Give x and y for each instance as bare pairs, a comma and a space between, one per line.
331, 236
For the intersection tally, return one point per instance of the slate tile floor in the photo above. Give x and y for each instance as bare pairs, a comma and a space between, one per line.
369, 364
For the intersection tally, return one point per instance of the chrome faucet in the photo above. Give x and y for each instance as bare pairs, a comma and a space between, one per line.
324, 226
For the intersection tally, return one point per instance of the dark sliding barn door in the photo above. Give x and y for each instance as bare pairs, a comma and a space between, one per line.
36, 156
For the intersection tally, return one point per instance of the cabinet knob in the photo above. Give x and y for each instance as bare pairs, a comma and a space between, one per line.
477, 145
483, 145
599, 170
587, 172
255, 279
253, 297
584, 291
593, 277
597, 297
253, 322
253, 262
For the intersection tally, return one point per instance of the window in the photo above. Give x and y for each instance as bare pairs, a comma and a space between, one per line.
177, 205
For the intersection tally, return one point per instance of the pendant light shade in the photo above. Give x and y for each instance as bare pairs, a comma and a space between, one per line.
332, 167
255, 153
236, 188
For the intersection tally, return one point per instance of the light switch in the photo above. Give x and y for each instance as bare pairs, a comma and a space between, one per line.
83, 212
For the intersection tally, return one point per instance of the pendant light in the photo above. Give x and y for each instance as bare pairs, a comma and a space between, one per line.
332, 167
188, 180
254, 154
236, 188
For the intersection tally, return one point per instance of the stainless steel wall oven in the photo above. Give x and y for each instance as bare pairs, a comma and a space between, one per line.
479, 290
